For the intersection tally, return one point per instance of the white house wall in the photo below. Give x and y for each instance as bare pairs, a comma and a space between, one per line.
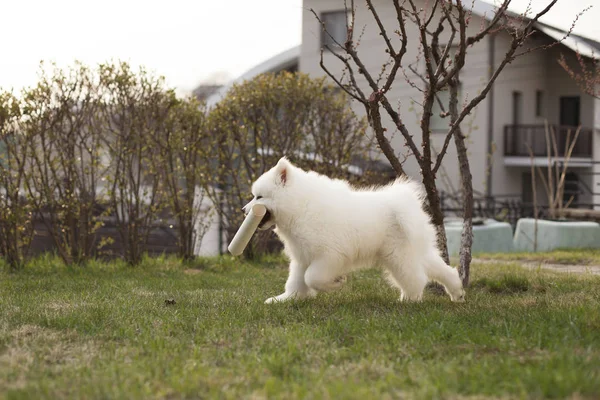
527, 75
560, 84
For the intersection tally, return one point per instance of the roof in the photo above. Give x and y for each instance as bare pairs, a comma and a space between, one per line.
204, 91
585, 46
280, 62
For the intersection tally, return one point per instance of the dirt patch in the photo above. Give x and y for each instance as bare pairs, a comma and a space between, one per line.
509, 284
64, 305
192, 271
142, 292
32, 347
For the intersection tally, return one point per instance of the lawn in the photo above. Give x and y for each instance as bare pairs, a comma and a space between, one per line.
112, 331
568, 256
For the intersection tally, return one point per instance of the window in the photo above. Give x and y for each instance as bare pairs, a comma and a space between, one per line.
517, 108
527, 188
437, 123
570, 111
539, 103
336, 28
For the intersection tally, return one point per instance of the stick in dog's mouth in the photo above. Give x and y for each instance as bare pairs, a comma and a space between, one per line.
265, 219
255, 216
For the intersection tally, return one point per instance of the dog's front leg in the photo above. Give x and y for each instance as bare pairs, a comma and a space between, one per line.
295, 287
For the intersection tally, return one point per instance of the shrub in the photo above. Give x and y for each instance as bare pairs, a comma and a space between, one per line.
16, 225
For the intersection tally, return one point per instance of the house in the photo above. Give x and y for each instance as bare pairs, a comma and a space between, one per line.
284, 61
204, 91
532, 90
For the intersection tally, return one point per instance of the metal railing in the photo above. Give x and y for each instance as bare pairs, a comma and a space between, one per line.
518, 137
510, 208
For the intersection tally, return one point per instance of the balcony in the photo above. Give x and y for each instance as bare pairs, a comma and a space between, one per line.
517, 137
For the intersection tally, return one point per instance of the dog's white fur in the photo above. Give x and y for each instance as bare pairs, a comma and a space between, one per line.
330, 229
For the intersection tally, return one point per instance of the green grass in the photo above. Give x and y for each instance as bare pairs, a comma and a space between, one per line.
105, 331
570, 256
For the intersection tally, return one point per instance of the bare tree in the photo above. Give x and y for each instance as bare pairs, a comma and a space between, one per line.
554, 178
440, 28
586, 74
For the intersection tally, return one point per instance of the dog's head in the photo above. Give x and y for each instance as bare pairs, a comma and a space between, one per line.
268, 189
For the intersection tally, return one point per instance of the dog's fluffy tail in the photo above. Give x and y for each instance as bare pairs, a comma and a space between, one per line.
408, 199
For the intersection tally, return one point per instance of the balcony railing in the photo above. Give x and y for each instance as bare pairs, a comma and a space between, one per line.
517, 137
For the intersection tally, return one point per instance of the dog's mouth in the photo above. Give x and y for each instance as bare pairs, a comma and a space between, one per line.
266, 219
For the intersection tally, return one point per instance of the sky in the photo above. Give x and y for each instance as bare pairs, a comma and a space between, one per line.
187, 41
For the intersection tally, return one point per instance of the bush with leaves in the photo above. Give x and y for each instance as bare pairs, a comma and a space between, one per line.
60, 116
135, 108
16, 225
274, 115
182, 148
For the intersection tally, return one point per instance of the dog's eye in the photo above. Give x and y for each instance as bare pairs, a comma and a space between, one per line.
258, 197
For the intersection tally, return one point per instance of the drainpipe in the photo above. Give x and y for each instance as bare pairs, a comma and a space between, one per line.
490, 122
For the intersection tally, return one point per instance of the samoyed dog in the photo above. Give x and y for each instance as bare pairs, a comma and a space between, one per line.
330, 229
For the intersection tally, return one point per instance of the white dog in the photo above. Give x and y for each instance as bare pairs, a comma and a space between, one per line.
330, 229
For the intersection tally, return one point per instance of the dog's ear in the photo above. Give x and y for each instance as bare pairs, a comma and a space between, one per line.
282, 171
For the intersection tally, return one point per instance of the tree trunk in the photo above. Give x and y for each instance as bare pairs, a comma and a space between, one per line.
466, 240
434, 209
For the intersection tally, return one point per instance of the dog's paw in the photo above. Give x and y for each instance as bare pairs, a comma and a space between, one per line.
278, 299
413, 298
340, 280
337, 283
460, 298
292, 296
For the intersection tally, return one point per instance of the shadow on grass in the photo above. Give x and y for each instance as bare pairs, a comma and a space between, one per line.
507, 284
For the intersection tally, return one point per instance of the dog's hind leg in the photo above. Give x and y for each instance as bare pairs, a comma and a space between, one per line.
325, 274
295, 287
405, 273
439, 271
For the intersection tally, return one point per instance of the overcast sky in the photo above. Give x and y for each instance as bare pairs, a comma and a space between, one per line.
187, 41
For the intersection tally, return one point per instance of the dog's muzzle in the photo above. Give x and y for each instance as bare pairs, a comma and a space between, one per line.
264, 223
265, 220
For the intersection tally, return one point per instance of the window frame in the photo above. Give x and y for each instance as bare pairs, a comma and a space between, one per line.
327, 43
